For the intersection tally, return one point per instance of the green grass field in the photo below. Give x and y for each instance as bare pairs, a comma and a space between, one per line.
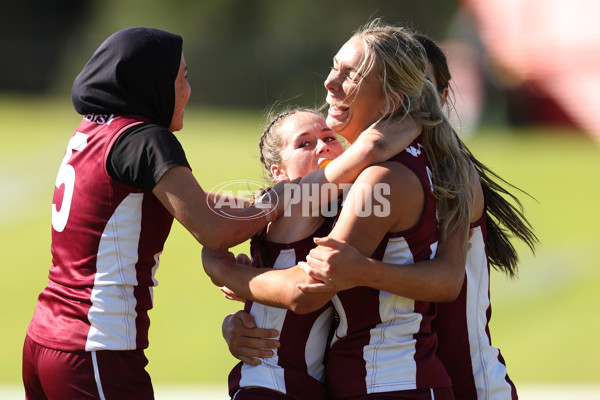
546, 323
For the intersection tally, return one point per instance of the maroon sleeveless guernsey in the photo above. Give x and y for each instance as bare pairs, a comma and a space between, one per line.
477, 369
384, 343
297, 369
106, 241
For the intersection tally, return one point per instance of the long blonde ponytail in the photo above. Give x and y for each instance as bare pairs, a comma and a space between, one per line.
400, 62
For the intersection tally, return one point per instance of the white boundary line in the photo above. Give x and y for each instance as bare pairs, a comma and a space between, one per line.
528, 391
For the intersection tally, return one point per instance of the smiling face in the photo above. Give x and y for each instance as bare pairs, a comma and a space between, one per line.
183, 91
306, 144
355, 100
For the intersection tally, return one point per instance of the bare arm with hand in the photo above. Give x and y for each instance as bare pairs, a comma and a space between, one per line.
271, 287
378, 143
183, 197
439, 279
246, 342
339, 266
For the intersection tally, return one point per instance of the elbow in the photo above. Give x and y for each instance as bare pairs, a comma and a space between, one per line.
451, 292
211, 273
447, 298
218, 240
212, 234
226, 240
301, 309
301, 304
211, 269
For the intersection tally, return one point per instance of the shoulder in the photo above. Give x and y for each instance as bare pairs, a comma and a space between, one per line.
392, 188
143, 154
398, 176
152, 142
148, 134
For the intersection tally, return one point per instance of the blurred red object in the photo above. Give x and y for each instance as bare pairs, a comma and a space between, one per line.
550, 51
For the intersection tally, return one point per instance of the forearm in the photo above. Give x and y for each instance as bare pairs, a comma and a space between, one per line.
220, 229
439, 279
325, 185
271, 287
340, 260
434, 280
377, 144
227, 202
214, 227
345, 168
232, 227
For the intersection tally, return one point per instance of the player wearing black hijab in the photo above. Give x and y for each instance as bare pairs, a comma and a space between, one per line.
123, 179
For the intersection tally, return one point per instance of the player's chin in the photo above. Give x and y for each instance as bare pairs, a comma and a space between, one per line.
337, 123
176, 124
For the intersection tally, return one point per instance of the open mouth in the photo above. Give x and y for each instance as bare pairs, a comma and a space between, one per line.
337, 110
323, 163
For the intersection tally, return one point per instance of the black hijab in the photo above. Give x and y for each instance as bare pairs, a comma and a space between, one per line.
132, 72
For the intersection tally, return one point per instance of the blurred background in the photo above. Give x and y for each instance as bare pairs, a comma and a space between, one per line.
526, 74
527, 61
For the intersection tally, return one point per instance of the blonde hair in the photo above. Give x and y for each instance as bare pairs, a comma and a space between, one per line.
400, 62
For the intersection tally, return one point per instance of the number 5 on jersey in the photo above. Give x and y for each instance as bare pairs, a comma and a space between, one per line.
66, 176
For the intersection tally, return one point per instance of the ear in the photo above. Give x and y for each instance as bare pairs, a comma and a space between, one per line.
444, 96
278, 173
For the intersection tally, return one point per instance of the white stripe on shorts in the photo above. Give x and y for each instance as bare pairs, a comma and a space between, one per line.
97, 376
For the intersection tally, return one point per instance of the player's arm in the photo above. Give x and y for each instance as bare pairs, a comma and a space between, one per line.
183, 197
245, 341
281, 288
271, 287
227, 201
435, 280
378, 143
337, 265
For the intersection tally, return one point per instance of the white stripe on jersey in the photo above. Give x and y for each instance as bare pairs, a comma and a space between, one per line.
272, 318
112, 314
391, 349
269, 374
381, 372
154, 280
489, 374
316, 345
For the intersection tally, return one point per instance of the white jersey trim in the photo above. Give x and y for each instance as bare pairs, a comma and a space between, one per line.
112, 315
488, 372
316, 345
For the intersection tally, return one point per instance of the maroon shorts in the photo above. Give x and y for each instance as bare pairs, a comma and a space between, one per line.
56, 374
418, 394
259, 394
